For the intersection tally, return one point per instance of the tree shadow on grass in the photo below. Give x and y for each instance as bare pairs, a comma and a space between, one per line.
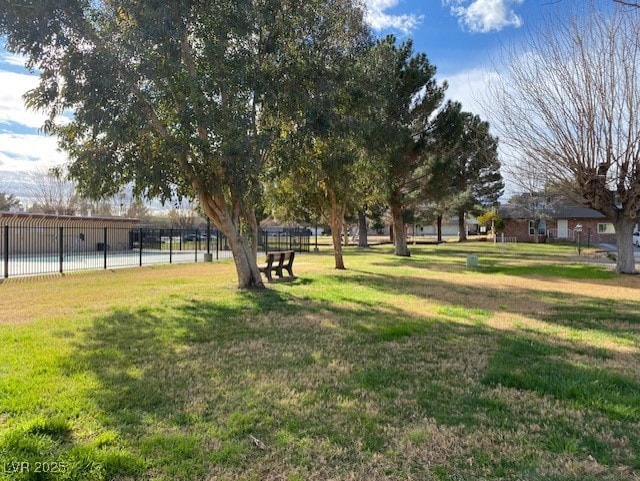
524, 361
614, 317
343, 389
583, 273
510, 264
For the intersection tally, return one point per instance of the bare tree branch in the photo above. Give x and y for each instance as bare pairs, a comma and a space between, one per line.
628, 4
567, 106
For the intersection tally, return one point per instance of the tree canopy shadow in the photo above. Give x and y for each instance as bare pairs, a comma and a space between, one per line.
188, 382
617, 317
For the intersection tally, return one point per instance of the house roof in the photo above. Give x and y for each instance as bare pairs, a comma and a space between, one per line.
558, 209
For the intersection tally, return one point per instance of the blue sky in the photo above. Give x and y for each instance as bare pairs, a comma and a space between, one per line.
461, 37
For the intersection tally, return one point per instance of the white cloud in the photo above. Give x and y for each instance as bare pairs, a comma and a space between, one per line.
468, 87
22, 150
12, 107
379, 19
29, 152
486, 15
13, 59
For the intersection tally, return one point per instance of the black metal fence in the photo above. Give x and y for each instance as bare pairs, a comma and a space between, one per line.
292, 239
48, 250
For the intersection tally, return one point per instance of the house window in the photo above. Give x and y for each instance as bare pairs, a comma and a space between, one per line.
607, 228
542, 227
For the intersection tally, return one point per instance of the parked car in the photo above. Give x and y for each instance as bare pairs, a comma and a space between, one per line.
192, 237
636, 239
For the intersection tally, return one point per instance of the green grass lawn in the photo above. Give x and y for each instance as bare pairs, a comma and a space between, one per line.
418, 368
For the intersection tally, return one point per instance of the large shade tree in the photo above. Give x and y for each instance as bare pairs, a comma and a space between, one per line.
408, 95
464, 172
568, 105
175, 97
318, 165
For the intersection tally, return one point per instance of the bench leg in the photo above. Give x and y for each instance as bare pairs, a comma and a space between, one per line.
267, 273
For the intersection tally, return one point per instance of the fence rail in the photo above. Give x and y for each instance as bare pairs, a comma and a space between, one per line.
28, 251
568, 235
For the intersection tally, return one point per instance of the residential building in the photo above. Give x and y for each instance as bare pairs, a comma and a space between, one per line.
557, 218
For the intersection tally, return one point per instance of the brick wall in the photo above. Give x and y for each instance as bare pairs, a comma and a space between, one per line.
590, 230
519, 228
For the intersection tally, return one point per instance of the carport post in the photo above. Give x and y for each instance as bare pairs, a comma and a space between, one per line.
5, 246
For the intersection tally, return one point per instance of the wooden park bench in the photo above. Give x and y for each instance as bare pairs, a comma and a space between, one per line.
277, 262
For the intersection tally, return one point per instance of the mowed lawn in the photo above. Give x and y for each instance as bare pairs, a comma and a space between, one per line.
526, 368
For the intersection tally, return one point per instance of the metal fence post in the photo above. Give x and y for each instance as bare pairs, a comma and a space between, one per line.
171, 245
61, 247
208, 236
104, 239
140, 241
218, 245
196, 242
5, 243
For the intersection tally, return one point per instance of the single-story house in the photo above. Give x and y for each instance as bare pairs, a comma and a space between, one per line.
27, 233
558, 219
449, 227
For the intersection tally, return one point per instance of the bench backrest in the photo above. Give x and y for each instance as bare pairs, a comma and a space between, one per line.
286, 256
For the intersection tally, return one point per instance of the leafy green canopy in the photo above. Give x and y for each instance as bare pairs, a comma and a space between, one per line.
319, 153
409, 94
181, 94
465, 168
181, 97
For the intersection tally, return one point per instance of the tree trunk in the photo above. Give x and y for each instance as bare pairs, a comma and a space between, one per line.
462, 228
439, 227
345, 229
336, 234
245, 261
400, 237
363, 239
337, 221
625, 261
244, 258
252, 224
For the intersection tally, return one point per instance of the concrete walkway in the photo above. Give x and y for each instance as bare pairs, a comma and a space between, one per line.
614, 248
